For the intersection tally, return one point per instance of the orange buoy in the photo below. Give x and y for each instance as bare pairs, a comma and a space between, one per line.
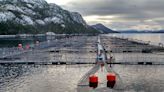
111, 80
93, 81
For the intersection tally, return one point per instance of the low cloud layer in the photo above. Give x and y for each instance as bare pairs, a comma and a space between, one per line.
121, 14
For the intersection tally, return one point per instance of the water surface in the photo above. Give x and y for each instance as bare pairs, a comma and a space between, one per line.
153, 38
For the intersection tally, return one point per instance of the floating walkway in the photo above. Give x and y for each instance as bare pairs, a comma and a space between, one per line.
92, 80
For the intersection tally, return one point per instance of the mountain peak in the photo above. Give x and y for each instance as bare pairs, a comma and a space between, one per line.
103, 29
99, 24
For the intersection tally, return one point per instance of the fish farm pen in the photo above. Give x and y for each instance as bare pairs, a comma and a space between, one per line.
82, 50
103, 55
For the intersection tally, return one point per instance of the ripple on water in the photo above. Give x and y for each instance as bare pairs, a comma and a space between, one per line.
141, 78
32, 78
45, 79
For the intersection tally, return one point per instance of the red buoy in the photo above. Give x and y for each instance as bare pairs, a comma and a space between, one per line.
20, 46
93, 81
111, 80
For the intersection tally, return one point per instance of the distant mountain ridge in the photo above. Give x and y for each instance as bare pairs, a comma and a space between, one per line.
142, 31
103, 29
37, 16
159, 31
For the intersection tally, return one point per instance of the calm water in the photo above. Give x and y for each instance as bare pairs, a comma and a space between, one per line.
154, 38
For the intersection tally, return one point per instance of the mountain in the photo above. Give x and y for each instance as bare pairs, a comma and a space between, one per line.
159, 31
132, 31
142, 31
37, 16
103, 29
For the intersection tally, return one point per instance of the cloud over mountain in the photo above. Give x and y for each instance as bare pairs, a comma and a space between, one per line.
124, 12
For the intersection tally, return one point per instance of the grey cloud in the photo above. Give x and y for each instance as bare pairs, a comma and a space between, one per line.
128, 9
128, 12
160, 22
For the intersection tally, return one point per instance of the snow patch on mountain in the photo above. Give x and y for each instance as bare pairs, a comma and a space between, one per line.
34, 1
41, 22
62, 25
13, 8
57, 20
28, 11
27, 20
48, 20
4, 16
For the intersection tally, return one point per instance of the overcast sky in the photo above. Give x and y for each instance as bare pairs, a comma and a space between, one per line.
119, 14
